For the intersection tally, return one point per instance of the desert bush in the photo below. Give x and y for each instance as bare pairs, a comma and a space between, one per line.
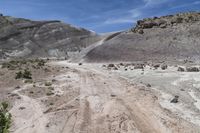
181, 69
28, 81
26, 74
19, 75
51, 88
41, 63
5, 118
48, 84
192, 69
49, 93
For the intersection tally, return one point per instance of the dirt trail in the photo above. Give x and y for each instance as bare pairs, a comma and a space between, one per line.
105, 109
27, 114
105, 103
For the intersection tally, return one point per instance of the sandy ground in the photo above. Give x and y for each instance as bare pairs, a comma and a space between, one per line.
91, 99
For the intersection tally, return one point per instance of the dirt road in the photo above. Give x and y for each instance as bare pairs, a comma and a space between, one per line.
105, 103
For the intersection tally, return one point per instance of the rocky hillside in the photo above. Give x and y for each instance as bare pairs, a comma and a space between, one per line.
168, 38
26, 38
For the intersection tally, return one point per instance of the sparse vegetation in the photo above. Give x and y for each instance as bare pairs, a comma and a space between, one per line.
49, 93
26, 74
51, 88
28, 81
19, 64
5, 118
48, 83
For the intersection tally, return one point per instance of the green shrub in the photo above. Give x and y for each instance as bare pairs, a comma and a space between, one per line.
5, 118
48, 84
49, 93
26, 74
51, 88
28, 81
41, 63
19, 75
11, 65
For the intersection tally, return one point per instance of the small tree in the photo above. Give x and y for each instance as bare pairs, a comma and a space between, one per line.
19, 75
27, 74
5, 118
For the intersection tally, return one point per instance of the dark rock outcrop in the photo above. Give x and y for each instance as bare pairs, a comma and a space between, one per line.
192, 69
181, 69
165, 21
164, 66
175, 99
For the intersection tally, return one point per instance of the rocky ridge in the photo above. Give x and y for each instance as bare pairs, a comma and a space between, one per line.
166, 21
168, 38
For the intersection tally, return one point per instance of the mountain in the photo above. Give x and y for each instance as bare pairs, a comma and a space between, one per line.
28, 39
167, 38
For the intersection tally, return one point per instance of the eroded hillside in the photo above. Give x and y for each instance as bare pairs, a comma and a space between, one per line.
25, 38
168, 38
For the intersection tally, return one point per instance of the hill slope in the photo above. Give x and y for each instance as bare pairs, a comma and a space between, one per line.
173, 37
26, 38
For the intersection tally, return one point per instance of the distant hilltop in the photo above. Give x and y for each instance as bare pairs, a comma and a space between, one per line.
167, 38
166, 21
24, 38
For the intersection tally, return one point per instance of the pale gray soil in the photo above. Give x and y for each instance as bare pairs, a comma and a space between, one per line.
90, 98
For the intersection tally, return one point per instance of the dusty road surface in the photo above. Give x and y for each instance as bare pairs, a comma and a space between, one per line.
87, 99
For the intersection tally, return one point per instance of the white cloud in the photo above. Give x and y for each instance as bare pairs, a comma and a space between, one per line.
135, 14
119, 21
186, 5
132, 17
150, 3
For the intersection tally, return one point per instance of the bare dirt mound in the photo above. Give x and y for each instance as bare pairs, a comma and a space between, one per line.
174, 37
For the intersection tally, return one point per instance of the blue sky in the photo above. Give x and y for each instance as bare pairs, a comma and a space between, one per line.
97, 15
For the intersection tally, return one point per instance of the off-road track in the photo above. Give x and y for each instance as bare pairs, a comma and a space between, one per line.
106, 103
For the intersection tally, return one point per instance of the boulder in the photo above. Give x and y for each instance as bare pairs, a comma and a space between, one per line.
175, 99
111, 65
181, 69
139, 66
192, 69
164, 66
156, 66
148, 85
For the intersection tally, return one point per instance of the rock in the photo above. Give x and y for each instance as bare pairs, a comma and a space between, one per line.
113, 95
121, 64
139, 66
140, 31
17, 87
21, 108
192, 69
175, 99
148, 85
80, 64
181, 69
182, 90
156, 66
163, 26
115, 68
111, 65
164, 66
